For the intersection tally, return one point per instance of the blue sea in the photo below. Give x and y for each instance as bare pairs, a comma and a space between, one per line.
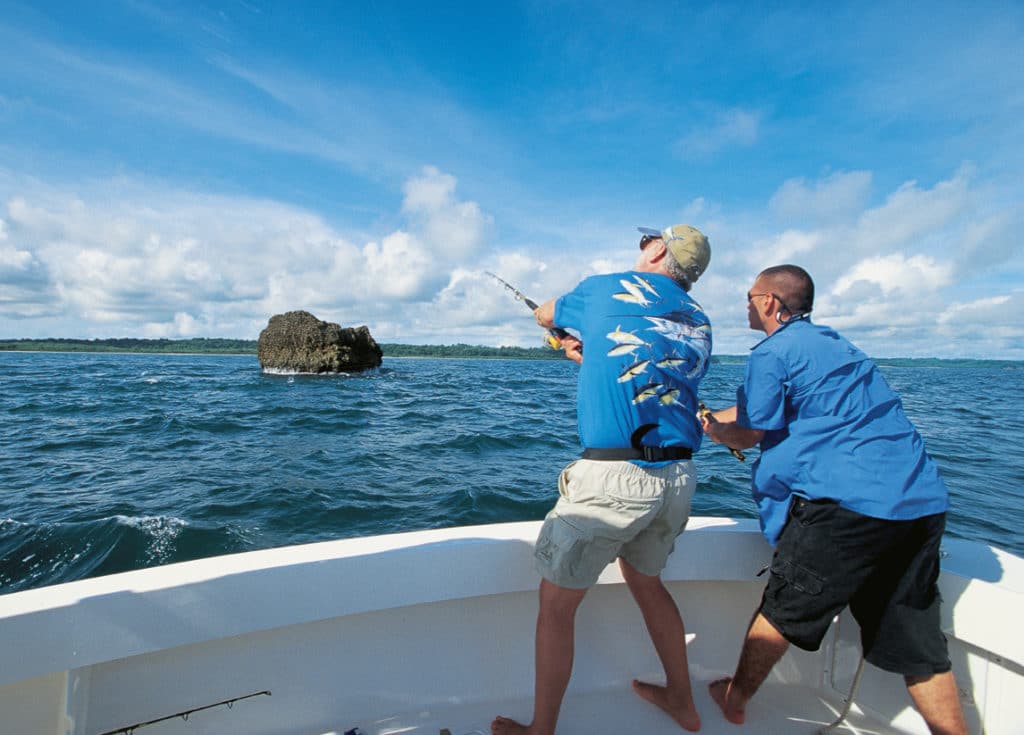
112, 462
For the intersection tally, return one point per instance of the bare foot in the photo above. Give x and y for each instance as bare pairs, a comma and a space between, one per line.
719, 690
684, 713
505, 726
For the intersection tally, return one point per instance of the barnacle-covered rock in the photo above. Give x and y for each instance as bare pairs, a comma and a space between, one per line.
297, 341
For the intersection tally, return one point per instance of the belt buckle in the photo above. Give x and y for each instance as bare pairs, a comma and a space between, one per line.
651, 454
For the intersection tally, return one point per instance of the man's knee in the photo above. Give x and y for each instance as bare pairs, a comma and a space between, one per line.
559, 601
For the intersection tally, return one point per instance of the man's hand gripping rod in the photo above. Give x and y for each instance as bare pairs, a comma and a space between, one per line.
555, 335
705, 413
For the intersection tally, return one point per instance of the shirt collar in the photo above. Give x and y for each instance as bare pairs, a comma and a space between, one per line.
783, 325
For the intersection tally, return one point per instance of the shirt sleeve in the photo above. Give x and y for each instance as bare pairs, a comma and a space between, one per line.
761, 401
569, 308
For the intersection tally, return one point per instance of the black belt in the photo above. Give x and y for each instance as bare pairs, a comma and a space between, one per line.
648, 454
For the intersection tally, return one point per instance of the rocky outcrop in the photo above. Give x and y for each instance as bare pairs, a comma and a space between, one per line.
297, 341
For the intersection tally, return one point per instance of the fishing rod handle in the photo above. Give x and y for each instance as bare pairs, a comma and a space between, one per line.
705, 413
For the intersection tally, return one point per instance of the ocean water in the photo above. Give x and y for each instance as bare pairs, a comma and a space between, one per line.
112, 462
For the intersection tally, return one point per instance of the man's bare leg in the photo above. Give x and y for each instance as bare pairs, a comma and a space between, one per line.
938, 701
556, 627
665, 626
762, 649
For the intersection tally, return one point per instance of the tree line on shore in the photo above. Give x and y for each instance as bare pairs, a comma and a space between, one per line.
221, 346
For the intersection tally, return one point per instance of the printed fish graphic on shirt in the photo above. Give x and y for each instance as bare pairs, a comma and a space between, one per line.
633, 294
624, 338
622, 350
671, 362
690, 312
648, 392
646, 286
633, 370
679, 331
695, 307
696, 338
669, 397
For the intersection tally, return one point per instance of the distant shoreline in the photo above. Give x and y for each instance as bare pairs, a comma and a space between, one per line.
245, 347
218, 346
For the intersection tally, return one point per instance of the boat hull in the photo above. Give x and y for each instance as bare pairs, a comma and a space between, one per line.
420, 631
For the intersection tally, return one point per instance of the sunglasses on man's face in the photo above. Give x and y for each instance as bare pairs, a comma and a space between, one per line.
646, 239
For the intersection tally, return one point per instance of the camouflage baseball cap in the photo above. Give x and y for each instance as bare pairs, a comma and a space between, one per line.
688, 246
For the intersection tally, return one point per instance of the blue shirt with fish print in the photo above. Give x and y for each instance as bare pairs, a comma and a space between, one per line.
647, 345
833, 429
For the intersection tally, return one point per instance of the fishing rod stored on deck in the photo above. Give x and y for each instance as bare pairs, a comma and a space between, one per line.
555, 335
184, 715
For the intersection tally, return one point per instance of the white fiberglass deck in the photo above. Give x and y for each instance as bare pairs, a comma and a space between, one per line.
778, 710
414, 633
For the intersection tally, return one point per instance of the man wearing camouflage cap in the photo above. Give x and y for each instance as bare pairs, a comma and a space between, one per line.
648, 344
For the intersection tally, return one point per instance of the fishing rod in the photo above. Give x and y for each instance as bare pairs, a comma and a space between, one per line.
705, 413
555, 335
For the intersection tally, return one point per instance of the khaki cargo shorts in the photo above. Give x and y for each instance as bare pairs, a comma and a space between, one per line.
607, 510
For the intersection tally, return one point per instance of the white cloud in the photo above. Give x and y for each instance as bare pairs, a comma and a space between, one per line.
398, 267
115, 264
14, 258
730, 128
836, 197
453, 229
912, 274
897, 273
791, 242
911, 213
184, 325
995, 312
103, 260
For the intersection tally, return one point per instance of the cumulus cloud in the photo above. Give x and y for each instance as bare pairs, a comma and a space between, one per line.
993, 309
453, 229
896, 272
114, 263
912, 213
908, 273
836, 197
399, 266
11, 258
727, 129
887, 267
790, 243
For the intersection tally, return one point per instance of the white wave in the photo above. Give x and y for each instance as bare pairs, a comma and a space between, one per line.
153, 524
286, 371
162, 531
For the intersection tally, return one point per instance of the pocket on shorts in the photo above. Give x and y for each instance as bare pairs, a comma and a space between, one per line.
559, 547
634, 487
800, 578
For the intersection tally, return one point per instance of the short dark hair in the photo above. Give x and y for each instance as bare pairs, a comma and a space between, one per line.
794, 286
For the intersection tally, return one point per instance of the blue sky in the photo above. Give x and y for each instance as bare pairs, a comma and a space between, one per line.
190, 169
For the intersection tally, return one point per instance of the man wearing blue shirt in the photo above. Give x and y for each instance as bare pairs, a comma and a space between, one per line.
848, 496
648, 344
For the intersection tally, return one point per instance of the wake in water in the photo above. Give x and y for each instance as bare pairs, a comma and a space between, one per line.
50, 553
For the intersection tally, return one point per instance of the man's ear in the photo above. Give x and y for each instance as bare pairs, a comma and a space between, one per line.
658, 255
